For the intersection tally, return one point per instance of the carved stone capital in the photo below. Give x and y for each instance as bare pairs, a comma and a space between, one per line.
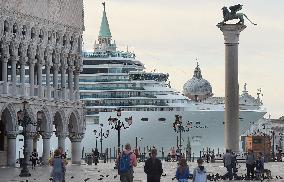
231, 32
23, 60
61, 135
76, 137
12, 134
30, 135
46, 135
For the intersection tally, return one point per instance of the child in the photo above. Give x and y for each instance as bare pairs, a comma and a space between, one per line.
199, 173
182, 173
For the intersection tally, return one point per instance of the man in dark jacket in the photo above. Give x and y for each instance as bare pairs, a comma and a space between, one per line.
153, 167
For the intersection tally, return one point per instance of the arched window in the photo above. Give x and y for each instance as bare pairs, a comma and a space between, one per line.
57, 37
64, 40
72, 41
49, 36
41, 34
6, 26
33, 33
24, 30
15, 28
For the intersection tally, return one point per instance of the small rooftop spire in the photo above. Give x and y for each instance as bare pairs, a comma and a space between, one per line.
104, 29
104, 5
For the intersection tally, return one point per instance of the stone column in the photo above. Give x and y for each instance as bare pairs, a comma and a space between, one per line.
35, 143
70, 81
76, 84
31, 76
11, 144
231, 34
5, 74
61, 140
39, 79
14, 73
55, 80
76, 139
23, 61
29, 138
46, 147
47, 79
63, 77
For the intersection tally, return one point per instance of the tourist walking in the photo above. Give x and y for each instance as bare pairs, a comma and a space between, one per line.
64, 159
199, 173
259, 166
153, 167
34, 158
234, 162
58, 167
96, 156
227, 160
182, 172
126, 161
250, 164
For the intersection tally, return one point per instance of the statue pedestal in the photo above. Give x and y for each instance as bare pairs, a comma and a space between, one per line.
231, 34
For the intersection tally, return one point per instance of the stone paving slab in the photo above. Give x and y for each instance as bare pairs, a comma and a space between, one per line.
106, 173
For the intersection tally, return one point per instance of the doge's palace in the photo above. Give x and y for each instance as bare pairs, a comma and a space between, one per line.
40, 54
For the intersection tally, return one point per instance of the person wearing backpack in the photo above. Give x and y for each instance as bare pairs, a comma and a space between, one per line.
153, 167
182, 172
199, 173
125, 163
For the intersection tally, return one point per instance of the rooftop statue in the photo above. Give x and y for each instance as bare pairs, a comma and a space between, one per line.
232, 14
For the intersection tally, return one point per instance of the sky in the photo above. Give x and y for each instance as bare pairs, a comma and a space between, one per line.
170, 36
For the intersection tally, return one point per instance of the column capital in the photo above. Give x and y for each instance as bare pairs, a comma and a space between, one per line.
231, 32
61, 135
30, 135
76, 137
15, 58
55, 67
46, 135
70, 68
12, 134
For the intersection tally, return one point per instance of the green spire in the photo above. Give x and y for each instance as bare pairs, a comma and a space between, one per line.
104, 30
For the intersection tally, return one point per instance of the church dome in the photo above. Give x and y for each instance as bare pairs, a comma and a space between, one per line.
197, 88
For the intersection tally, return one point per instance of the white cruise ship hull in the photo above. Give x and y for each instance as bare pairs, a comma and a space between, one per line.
207, 129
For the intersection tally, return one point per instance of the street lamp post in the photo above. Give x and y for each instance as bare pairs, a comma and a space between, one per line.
102, 135
24, 121
117, 124
179, 128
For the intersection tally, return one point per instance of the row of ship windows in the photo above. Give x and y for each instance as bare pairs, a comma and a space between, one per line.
128, 103
89, 87
96, 111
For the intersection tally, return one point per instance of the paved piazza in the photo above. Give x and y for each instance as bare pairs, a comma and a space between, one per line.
92, 173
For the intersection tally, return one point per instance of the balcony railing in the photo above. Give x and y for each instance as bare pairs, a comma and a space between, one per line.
25, 90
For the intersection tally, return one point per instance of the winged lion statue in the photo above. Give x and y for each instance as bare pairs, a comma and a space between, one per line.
232, 14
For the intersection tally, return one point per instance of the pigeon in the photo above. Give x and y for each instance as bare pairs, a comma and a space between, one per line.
115, 176
72, 177
102, 175
164, 174
100, 179
107, 175
86, 179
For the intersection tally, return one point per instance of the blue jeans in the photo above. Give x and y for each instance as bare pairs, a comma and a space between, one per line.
229, 172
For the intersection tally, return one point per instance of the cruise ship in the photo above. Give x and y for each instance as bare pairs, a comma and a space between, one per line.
113, 79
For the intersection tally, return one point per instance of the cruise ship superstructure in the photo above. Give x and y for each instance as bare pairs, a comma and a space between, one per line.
113, 79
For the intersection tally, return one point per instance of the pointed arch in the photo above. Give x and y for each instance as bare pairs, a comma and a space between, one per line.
59, 120
10, 110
